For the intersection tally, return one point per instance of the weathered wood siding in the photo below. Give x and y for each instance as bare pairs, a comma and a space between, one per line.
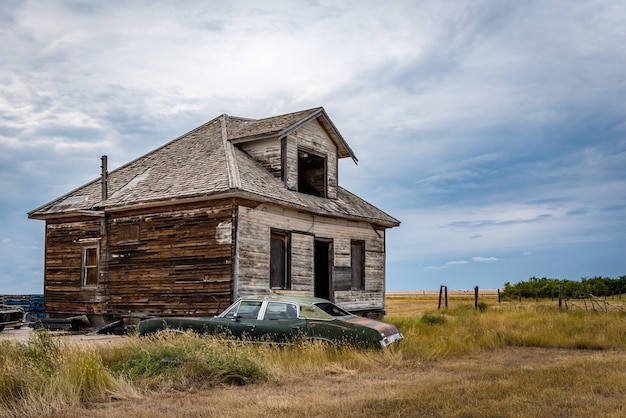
181, 263
176, 260
302, 250
267, 152
63, 290
253, 241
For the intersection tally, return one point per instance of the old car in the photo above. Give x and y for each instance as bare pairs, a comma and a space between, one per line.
11, 316
283, 319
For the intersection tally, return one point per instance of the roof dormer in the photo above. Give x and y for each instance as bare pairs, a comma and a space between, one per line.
302, 149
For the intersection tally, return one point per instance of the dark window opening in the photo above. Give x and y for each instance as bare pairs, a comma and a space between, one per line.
90, 266
357, 264
280, 261
311, 174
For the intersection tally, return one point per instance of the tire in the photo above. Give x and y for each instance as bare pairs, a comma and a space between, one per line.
1, 328
119, 331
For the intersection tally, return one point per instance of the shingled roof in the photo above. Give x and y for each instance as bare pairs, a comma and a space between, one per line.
205, 164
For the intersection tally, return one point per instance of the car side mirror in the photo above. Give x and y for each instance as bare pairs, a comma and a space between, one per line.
236, 317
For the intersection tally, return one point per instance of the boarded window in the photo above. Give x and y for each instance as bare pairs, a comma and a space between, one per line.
128, 233
357, 264
90, 266
311, 174
280, 261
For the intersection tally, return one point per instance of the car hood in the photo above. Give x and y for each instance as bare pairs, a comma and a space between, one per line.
384, 328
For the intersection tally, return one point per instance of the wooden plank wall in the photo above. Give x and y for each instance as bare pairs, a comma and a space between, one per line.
266, 152
182, 262
253, 241
302, 250
63, 292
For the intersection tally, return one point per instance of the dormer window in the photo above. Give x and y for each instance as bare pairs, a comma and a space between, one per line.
311, 173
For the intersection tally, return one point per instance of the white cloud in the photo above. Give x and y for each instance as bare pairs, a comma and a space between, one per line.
484, 259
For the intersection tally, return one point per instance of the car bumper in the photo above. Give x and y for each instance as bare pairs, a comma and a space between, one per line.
386, 341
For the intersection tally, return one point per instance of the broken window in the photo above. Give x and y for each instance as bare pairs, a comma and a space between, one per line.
90, 266
311, 174
280, 260
357, 264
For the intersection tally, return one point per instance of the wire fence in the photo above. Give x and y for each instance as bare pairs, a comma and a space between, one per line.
593, 299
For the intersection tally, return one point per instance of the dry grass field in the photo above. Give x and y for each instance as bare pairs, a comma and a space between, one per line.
504, 360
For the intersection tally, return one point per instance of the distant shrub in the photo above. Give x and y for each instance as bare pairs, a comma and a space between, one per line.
432, 319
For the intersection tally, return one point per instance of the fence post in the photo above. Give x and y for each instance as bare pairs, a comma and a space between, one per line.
440, 294
476, 297
443, 288
560, 296
498, 295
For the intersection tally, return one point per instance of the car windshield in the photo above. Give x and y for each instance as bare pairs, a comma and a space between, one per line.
330, 309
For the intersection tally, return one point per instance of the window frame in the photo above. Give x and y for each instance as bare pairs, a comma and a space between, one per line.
87, 269
284, 282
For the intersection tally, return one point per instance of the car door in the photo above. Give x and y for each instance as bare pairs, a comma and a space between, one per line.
280, 322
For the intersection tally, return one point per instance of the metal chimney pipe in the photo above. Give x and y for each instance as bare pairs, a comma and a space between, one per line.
105, 178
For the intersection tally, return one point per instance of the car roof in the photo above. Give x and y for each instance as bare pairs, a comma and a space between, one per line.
300, 300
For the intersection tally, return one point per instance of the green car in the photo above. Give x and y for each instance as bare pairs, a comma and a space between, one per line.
283, 319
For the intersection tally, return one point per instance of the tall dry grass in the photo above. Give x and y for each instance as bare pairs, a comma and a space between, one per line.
43, 375
434, 334
439, 369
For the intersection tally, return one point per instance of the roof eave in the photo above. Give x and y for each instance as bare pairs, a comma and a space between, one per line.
233, 193
343, 148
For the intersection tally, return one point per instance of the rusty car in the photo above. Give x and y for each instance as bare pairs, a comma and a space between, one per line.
283, 319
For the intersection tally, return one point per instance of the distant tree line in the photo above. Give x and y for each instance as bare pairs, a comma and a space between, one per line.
545, 287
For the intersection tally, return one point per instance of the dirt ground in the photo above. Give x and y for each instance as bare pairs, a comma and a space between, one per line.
24, 333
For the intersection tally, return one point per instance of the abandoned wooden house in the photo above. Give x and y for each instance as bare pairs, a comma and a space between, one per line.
234, 207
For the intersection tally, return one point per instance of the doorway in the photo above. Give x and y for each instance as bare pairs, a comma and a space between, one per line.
323, 271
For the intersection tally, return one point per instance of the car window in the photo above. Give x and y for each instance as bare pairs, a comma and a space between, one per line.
230, 312
313, 312
332, 310
280, 310
247, 309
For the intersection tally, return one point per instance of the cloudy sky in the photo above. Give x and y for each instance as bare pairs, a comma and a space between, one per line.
495, 131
